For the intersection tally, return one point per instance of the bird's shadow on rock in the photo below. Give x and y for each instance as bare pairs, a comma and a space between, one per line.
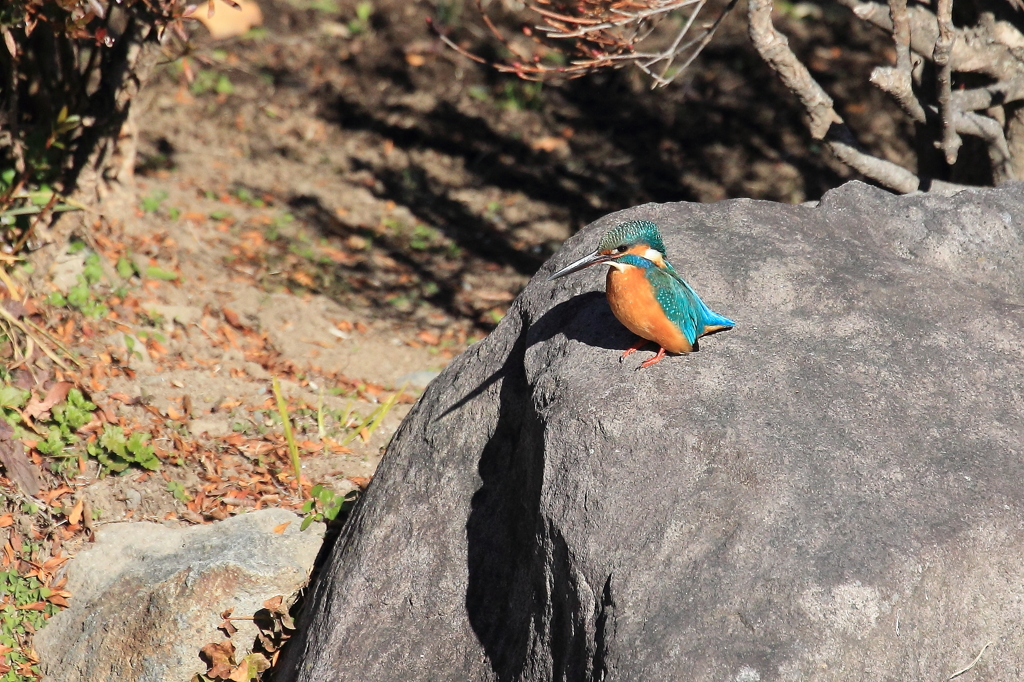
586, 318
510, 581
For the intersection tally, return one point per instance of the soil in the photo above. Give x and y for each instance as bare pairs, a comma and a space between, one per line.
348, 204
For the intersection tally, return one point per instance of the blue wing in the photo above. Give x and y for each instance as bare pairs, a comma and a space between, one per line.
682, 305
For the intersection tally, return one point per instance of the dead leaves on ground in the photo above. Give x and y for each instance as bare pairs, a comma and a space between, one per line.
274, 627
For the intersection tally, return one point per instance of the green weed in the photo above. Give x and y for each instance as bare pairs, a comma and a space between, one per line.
176, 489
325, 505
116, 452
151, 203
81, 296
361, 23
17, 622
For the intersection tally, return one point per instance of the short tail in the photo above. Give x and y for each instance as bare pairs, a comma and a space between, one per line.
713, 322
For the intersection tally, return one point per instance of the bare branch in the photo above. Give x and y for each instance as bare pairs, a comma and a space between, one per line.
897, 178
898, 81
774, 49
974, 51
951, 142
825, 123
990, 96
894, 82
989, 130
603, 34
901, 36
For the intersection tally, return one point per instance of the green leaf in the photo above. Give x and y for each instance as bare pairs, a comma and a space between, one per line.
153, 201
54, 443
78, 295
93, 271
78, 400
154, 272
224, 86
113, 440
143, 454
331, 511
12, 396
176, 489
125, 268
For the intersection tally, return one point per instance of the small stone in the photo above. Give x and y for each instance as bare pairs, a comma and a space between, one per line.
132, 498
418, 380
256, 371
214, 428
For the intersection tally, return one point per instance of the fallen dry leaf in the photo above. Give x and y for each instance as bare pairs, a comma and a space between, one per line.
549, 144
76, 512
58, 600
279, 529
19, 467
57, 393
227, 22
232, 318
219, 658
429, 338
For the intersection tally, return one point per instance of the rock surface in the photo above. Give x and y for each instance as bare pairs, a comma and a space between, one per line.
146, 598
834, 490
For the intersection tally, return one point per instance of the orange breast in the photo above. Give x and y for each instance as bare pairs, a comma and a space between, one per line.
632, 301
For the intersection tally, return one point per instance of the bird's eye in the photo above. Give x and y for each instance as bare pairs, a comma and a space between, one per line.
620, 249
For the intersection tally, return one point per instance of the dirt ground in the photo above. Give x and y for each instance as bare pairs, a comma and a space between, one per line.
346, 204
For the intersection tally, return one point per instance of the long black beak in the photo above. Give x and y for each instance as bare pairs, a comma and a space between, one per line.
585, 262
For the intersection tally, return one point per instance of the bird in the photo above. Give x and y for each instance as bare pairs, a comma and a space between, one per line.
646, 293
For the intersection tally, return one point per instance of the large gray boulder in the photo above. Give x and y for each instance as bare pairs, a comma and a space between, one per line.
834, 490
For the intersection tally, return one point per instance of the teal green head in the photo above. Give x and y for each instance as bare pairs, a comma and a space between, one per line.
637, 242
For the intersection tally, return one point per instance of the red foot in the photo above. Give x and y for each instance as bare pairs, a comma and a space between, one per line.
655, 359
634, 348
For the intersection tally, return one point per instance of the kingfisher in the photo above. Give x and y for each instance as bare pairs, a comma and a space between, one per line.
646, 293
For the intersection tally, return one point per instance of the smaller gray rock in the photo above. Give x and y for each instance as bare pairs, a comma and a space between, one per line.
66, 269
140, 358
256, 371
182, 314
214, 428
418, 379
146, 598
132, 498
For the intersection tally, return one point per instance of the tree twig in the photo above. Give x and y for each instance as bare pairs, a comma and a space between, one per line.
973, 663
899, 79
951, 142
973, 51
886, 173
966, 123
774, 49
603, 34
993, 95
825, 123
